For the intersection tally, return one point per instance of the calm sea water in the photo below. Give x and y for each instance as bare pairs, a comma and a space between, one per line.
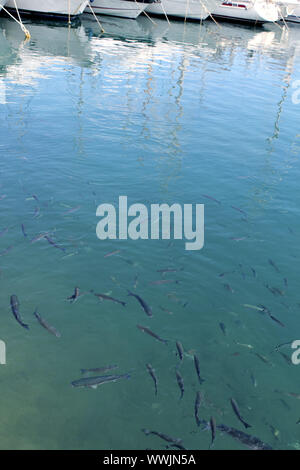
163, 115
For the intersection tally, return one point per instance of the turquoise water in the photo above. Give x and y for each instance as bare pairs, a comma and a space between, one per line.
160, 114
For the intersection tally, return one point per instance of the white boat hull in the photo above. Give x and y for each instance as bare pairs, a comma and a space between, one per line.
2, 4
294, 17
292, 8
119, 8
189, 9
49, 7
256, 11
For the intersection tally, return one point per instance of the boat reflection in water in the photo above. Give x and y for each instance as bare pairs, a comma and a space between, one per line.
48, 45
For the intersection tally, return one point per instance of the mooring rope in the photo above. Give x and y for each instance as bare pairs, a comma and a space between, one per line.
69, 12
186, 10
284, 22
209, 14
165, 13
147, 15
100, 25
25, 30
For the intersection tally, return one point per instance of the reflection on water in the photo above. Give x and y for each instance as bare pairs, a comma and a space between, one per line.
187, 113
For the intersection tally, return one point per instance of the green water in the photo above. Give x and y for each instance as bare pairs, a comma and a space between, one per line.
163, 115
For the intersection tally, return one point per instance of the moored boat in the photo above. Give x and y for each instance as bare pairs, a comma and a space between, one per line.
185, 9
256, 11
292, 10
2, 4
48, 8
130, 9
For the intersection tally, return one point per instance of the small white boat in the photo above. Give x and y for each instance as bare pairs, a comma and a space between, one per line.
257, 11
48, 8
186, 9
2, 4
121, 8
292, 10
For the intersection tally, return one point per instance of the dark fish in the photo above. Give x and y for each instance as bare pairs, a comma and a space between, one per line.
152, 373
225, 272
164, 281
223, 328
3, 232
180, 383
7, 250
253, 272
276, 320
147, 330
264, 309
284, 403
15, 310
285, 282
179, 350
250, 441
278, 291
70, 211
166, 310
274, 290
237, 412
212, 424
46, 325
197, 367
281, 345
229, 288
274, 431
99, 369
38, 237
54, 244
211, 198
111, 253
145, 307
239, 210
23, 230
268, 312
262, 358
74, 296
165, 437
36, 212
293, 394
253, 380
273, 265
169, 270
270, 289
107, 297
198, 401
286, 358
94, 382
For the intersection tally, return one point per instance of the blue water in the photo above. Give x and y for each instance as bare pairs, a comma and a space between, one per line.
162, 115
